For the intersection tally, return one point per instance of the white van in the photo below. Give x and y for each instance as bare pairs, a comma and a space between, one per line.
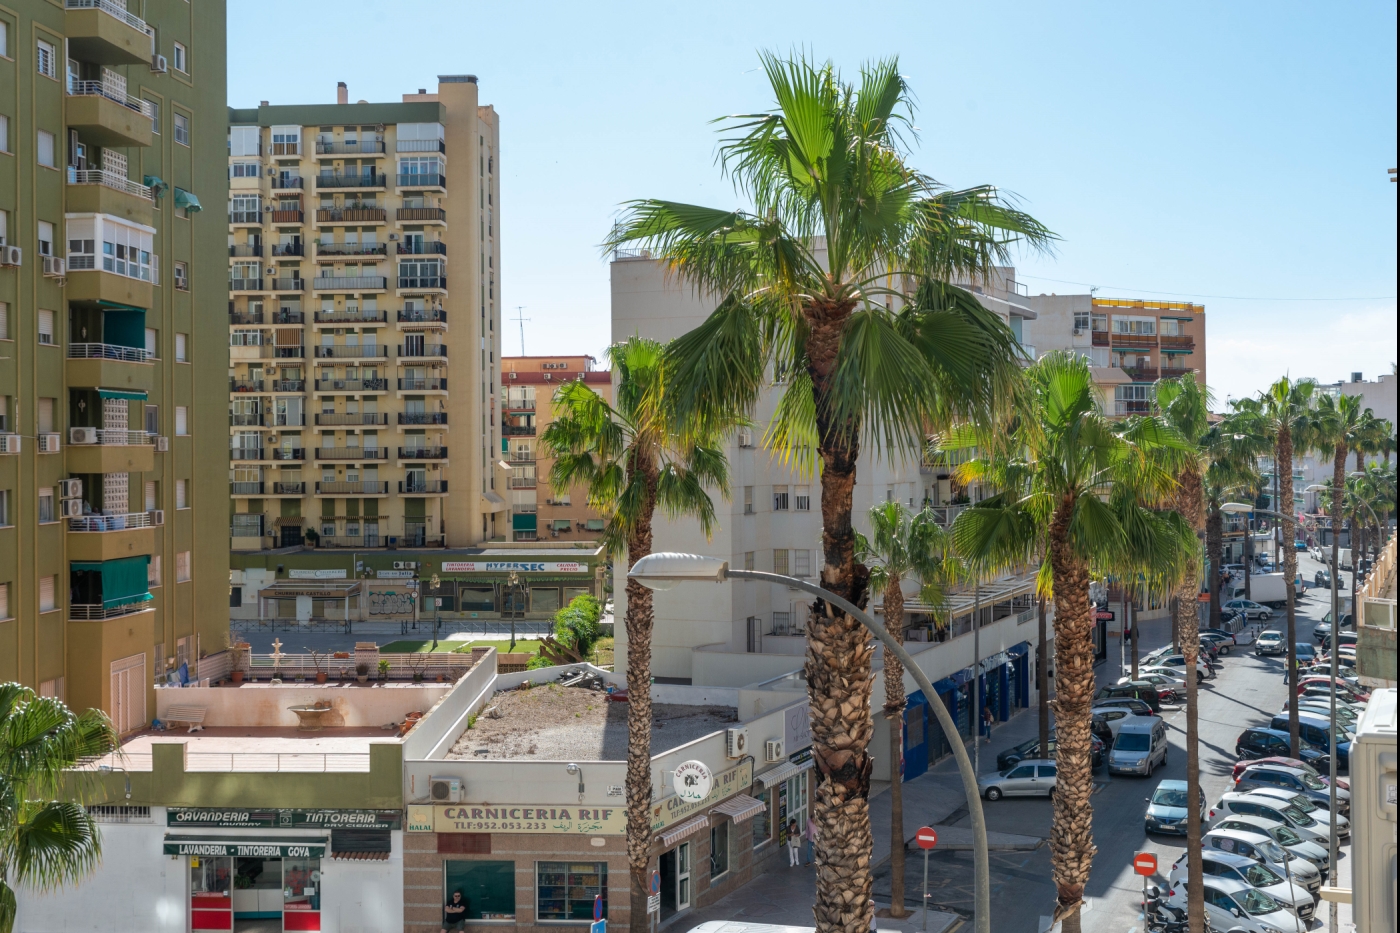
1139, 747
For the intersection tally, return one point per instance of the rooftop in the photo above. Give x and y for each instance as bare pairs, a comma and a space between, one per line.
253, 748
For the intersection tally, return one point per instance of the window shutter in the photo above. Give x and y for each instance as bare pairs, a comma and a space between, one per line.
47, 602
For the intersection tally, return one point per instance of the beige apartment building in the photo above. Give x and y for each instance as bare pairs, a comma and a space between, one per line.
528, 384
113, 533
364, 286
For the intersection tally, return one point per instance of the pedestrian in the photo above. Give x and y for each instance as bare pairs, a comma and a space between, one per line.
794, 842
454, 913
987, 721
810, 834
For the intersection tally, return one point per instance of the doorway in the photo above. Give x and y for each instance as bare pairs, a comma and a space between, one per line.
675, 881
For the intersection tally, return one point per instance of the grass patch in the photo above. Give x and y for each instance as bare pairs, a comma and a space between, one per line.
603, 654
502, 645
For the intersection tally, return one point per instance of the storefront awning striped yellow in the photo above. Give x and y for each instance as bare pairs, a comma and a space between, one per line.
784, 771
689, 828
740, 807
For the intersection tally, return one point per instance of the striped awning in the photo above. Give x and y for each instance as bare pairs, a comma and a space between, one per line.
689, 828
784, 771
740, 808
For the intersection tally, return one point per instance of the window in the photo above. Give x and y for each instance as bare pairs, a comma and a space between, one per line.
801, 563
1141, 326
245, 170
46, 59
749, 561
780, 560
286, 140
719, 849
4, 321
153, 571
182, 567
748, 500
45, 419
763, 822
155, 115
566, 889
151, 343
1081, 321
182, 493
244, 141
182, 279
48, 599
4, 38
247, 525
125, 248
181, 341
4, 226
182, 129
46, 327
4, 133
182, 421
803, 497
180, 64
780, 498
4, 600
4, 514
1169, 327
45, 238
486, 887
45, 149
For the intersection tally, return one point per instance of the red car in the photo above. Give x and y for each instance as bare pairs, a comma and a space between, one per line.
1321, 680
1287, 763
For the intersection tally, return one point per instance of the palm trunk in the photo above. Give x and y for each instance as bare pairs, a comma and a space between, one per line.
1215, 548
838, 668
1071, 829
895, 702
640, 618
1189, 505
1130, 610
1042, 678
1283, 470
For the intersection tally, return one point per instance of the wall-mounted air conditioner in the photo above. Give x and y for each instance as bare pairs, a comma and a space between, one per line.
82, 435
736, 743
54, 267
71, 508
773, 750
70, 489
162, 444
11, 256
159, 65
48, 443
156, 517
9, 443
445, 789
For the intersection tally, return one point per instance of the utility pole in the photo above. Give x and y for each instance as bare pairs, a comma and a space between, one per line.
521, 319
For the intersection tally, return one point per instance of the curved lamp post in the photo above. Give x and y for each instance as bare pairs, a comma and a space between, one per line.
664, 570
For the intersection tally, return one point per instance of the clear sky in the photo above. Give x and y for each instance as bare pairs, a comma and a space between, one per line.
1184, 150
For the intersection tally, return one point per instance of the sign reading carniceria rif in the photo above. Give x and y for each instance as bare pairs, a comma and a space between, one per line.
510, 818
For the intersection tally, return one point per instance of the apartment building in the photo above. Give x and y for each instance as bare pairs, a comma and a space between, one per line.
528, 384
113, 534
361, 387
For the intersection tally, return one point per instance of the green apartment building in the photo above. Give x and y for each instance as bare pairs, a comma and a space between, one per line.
113, 533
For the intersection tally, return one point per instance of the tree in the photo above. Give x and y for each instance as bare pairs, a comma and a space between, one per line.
838, 284
1230, 473
902, 547
632, 459
1077, 491
46, 842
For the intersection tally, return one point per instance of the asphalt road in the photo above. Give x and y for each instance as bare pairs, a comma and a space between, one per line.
1248, 691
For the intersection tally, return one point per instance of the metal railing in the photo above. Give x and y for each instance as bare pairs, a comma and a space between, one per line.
245, 453
422, 385
422, 453
423, 316
344, 418
359, 147
288, 316
245, 285
352, 385
520, 404
423, 248
287, 216
352, 453
366, 180
245, 489
421, 213
121, 437
422, 417
246, 249
349, 282
93, 612
1177, 341
350, 249
109, 351
102, 89
124, 522
512, 430
362, 488
419, 145
114, 10
433, 350
357, 352
288, 249
288, 453
109, 179
422, 488
429, 180
243, 420
524, 482
289, 385
288, 182
289, 489
422, 281
287, 285
247, 317
350, 215
351, 317
245, 385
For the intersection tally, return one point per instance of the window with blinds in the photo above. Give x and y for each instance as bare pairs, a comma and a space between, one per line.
48, 600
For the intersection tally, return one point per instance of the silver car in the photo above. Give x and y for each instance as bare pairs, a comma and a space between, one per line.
1224, 865
1258, 845
1033, 777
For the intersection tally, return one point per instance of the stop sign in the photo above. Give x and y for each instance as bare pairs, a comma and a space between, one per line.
926, 838
1145, 863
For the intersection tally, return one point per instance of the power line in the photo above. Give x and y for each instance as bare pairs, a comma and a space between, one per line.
1147, 291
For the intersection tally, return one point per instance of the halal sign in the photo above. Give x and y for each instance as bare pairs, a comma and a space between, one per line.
693, 781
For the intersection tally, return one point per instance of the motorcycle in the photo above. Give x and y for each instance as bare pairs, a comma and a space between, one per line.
1162, 917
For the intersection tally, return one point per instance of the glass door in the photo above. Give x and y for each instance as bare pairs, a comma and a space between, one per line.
682, 876
301, 894
211, 907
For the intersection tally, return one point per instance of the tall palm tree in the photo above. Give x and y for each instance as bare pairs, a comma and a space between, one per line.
1075, 491
913, 547
1230, 473
839, 285
633, 460
1339, 427
45, 843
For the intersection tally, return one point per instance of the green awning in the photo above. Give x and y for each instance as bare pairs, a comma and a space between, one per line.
524, 522
155, 184
186, 200
123, 580
129, 395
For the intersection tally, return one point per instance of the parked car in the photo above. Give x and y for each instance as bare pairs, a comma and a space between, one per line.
1217, 865
1285, 836
1031, 749
1324, 635
1318, 706
1294, 780
1271, 808
1315, 731
1250, 608
1099, 727
1130, 703
1286, 762
1305, 652
1325, 626
1345, 686
1204, 669
1234, 905
1308, 806
1139, 748
1270, 642
1257, 844
1221, 641
1115, 717
1175, 674
1169, 689
1166, 808
1133, 690
1271, 743
1032, 777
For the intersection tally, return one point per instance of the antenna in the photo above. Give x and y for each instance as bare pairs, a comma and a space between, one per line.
519, 317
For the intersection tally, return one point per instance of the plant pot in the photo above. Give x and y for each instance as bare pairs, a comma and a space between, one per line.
320, 677
417, 678
362, 678
236, 677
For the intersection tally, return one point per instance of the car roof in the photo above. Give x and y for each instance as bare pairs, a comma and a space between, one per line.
1233, 859
1291, 769
1240, 833
1263, 823
1252, 796
1035, 761
1268, 730
1147, 726
1171, 784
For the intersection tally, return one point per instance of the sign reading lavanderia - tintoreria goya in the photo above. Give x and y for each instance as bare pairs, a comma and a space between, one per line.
514, 818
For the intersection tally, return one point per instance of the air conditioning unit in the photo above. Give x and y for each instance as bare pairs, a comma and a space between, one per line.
82, 435
405, 565
162, 444
54, 267
11, 256
156, 517
736, 743
71, 508
445, 789
773, 750
9, 443
159, 65
745, 437
271, 371
70, 489
48, 443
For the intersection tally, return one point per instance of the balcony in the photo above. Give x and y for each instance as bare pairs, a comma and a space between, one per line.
108, 537
1177, 342
358, 386
1133, 341
246, 420
364, 351
287, 316
422, 385
419, 145
422, 317
351, 215
1141, 373
107, 116
103, 450
288, 249
352, 453
286, 285
422, 417
350, 283
359, 182
1123, 408
429, 487
351, 318
421, 181
513, 430
334, 250
289, 385
288, 182
426, 351
423, 248
111, 282
246, 318
100, 364
291, 215
288, 453
105, 33
422, 282
100, 191
421, 215
245, 285
247, 250
248, 453
289, 489
246, 489
422, 453
363, 488
524, 482
97, 612
328, 419
245, 385
1099, 338
518, 404
358, 147
245, 217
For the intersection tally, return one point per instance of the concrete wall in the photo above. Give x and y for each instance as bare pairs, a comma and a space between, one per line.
436, 731
352, 706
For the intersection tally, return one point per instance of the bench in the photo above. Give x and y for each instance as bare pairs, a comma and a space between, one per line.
193, 716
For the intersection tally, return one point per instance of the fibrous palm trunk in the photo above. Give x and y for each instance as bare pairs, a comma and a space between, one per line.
640, 618
1071, 829
839, 652
1283, 469
1215, 548
1189, 505
895, 702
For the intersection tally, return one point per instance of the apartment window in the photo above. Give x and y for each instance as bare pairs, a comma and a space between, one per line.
181, 341
801, 563
46, 326
4, 133
1100, 323
748, 500
749, 561
719, 849
182, 276
1169, 327
45, 149
1081, 321
4, 38
155, 115
4, 321
4, 414
780, 561
48, 599
1141, 326
780, 498
46, 59
151, 498
151, 343
182, 567
182, 129
180, 64
126, 248
566, 889
286, 140
182, 494
45, 238
245, 170
182, 421
244, 141
802, 499
45, 419
4, 600
153, 571
4, 513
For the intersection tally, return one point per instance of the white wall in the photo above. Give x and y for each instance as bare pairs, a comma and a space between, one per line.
351, 706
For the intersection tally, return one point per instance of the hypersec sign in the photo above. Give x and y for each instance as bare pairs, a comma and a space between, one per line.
506, 566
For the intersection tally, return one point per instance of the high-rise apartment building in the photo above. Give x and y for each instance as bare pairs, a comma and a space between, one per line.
363, 322
113, 533
537, 511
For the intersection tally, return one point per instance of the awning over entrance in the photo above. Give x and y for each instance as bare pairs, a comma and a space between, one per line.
123, 579
287, 589
683, 831
130, 396
362, 844
784, 771
247, 846
740, 807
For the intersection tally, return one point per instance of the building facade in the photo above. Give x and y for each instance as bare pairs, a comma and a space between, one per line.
361, 374
113, 534
537, 511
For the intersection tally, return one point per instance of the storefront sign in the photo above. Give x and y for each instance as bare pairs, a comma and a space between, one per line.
312, 848
393, 574
506, 566
692, 781
262, 819
726, 784
316, 574
478, 818
797, 727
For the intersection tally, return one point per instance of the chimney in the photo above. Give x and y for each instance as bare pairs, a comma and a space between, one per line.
1355, 377
342, 93
422, 90
262, 103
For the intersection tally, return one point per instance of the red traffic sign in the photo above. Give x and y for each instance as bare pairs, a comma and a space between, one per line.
1145, 863
1104, 615
926, 837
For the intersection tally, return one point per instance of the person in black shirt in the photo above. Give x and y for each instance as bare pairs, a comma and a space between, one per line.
454, 913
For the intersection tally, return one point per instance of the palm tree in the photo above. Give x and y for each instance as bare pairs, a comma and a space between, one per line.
1075, 491
45, 843
902, 546
838, 285
1339, 426
1230, 473
632, 461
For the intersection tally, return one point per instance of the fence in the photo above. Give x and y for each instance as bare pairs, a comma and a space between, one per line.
292, 762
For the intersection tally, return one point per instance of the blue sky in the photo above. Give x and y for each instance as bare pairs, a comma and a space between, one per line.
1196, 149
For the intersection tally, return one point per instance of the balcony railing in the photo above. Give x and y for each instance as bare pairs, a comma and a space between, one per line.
287, 285
363, 488
111, 8
245, 217
245, 420
359, 147
524, 482
288, 453
513, 430
246, 489
422, 281
421, 213
521, 456
1135, 340
285, 353
349, 283
422, 385
288, 182
422, 417
360, 351
352, 453
366, 180
423, 316
430, 180
245, 385
433, 350
245, 285
519, 404
1141, 373
352, 385
289, 489
93, 612
289, 385
288, 216
1177, 342
245, 453
422, 487
422, 453
247, 250
1132, 407
423, 248
340, 418
350, 215
118, 437
288, 249
111, 522
350, 249
362, 316
419, 145
1099, 338
113, 180
109, 351
247, 317
288, 316
111, 92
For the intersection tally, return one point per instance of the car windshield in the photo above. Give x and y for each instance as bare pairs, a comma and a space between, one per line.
1303, 803
1274, 852
1285, 836
1256, 902
1298, 817
1261, 877
1133, 742
1169, 797
1310, 782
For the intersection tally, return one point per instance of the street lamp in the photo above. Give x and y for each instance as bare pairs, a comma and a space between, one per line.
434, 582
512, 582
662, 571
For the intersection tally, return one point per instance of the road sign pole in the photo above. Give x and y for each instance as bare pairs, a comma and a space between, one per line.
926, 851
927, 838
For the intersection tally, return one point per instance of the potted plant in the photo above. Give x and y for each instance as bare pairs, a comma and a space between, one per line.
312, 536
383, 668
236, 676
362, 672
318, 658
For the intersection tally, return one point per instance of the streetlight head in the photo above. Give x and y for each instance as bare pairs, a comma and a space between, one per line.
664, 570
571, 768
1233, 507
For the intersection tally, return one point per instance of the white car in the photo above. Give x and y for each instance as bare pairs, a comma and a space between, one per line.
1258, 845
1117, 716
1175, 674
1285, 836
1234, 905
1270, 808
1218, 865
1309, 806
1250, 608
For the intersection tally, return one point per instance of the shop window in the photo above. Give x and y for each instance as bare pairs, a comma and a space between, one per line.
544, 599
476, 598
566, 889
573, 592
763, 822
719, 849
486, 888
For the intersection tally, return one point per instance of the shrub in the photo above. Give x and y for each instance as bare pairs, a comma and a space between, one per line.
576, 625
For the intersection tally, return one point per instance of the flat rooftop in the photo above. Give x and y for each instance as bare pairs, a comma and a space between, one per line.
253, 748
553, 723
